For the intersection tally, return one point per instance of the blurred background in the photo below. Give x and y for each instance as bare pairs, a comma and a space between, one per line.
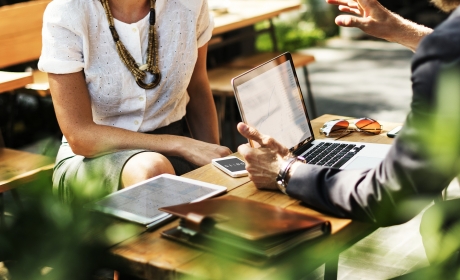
353, 75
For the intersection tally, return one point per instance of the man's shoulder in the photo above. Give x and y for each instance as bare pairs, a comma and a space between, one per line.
443, 42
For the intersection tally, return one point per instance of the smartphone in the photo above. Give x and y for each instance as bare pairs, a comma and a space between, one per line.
392, 133
231, 165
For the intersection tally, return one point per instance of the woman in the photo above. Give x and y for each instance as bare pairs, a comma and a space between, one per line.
123, 74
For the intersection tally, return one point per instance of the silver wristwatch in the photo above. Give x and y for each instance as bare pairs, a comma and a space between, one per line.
284, 170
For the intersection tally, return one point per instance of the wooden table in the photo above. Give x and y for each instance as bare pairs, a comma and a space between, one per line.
242, 13
13, 80
21, 166
149, 256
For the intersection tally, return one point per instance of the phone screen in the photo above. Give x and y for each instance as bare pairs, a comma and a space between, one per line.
232, 164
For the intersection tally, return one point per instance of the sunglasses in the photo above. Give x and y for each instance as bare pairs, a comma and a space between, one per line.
336, 128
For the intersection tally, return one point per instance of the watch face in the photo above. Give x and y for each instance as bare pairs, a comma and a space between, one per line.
281, 186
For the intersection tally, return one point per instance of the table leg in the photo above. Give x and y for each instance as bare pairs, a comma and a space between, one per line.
17, 199
221, 115
311, 100
2, 213
331, 268
233, 125
271, 29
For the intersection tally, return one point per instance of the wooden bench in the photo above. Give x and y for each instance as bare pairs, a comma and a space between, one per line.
301, 60
220, 77
21, 42
18, 168
21, 39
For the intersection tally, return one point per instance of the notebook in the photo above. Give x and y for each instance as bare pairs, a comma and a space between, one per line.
270, 99
140, 202
243, 229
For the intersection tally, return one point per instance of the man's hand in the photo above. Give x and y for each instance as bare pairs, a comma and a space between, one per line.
372, 17
263, 162
375, 20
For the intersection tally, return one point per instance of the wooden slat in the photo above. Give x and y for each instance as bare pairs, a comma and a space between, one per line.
220, 77
40, 84
219, 80
13, 80
20, 32
246, 13
251, 61
17, 167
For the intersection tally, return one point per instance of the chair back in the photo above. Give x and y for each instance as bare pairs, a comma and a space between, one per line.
21, 32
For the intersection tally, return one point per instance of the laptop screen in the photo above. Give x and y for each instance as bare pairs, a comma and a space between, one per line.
269, 99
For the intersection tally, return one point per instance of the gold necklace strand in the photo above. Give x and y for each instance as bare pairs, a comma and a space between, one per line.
138, 71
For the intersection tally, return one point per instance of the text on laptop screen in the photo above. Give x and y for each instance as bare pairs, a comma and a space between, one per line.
272, 104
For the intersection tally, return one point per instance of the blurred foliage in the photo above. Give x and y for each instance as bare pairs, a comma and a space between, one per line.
290, 36
308, 28
322, 15
46, 239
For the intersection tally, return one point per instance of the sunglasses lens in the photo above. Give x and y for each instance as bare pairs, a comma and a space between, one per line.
369, 125
335, 128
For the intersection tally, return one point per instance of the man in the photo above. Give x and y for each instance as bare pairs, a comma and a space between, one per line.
419, 165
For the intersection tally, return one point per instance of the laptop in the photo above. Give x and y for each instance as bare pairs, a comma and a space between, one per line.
269, 98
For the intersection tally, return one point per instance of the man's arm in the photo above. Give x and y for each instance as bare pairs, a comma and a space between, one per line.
398, 189
375, 20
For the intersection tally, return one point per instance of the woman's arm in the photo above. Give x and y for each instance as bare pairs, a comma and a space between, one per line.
201, 110
72, 105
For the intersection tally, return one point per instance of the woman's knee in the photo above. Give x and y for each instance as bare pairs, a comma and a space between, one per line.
144, 166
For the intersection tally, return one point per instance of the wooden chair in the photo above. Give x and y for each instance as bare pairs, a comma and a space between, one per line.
21, 38
21, 42
18, 168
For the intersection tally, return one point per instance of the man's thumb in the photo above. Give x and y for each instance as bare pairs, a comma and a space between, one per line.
249, 132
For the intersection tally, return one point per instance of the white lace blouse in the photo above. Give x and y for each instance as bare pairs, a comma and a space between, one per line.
76, 37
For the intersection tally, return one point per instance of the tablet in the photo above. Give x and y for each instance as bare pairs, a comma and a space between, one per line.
139, 203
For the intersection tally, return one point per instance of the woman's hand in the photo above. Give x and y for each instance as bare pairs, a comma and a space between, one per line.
262, 163
201, 153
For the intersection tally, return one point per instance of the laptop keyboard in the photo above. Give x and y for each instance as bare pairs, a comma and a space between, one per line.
332, 154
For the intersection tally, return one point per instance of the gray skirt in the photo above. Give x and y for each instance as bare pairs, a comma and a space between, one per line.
77, 179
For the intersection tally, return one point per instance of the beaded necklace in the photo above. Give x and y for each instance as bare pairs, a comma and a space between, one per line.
139, 71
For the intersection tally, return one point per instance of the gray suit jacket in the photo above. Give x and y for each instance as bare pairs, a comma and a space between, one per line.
414, 172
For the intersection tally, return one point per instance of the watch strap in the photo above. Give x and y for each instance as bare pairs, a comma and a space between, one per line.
284, 170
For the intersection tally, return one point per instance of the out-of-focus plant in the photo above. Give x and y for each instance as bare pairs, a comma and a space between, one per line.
440, 226
308, 27
291, 35
322, 15
46, 239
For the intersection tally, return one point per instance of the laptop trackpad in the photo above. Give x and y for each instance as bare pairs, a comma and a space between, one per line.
363, 163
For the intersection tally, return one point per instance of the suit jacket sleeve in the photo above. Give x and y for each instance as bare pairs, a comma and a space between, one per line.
413, 172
